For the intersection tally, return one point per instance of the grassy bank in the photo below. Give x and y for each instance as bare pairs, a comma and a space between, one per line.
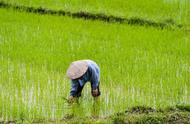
147, 115
176, 11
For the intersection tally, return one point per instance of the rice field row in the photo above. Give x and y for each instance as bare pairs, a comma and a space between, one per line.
139, 66
173, 11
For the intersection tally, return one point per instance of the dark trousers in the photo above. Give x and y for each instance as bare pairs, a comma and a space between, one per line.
79, 90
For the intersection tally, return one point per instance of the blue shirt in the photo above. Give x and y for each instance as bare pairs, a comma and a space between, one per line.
92, 75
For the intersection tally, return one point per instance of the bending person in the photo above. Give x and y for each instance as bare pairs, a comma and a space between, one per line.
80, 72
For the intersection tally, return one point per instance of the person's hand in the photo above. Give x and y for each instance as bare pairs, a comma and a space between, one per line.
71, 99
95, 92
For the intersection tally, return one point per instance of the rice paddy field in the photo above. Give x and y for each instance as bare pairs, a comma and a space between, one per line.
158, 10
140, 65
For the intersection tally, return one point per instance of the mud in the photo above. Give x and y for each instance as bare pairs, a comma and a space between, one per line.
140, 110
94, 16
147, 110
178, 114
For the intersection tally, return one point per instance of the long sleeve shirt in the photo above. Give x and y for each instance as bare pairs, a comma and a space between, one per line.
92, 75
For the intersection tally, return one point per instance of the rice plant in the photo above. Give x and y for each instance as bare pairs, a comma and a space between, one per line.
139, 66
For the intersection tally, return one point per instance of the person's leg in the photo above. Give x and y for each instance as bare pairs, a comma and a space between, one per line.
76, 88
75, 91
79, 91
95, 92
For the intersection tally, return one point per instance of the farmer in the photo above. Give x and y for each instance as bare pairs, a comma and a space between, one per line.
80, 72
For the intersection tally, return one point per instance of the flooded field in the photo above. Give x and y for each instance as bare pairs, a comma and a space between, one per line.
141, 65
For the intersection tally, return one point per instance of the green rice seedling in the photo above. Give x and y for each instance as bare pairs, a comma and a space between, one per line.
168, 11
139, 66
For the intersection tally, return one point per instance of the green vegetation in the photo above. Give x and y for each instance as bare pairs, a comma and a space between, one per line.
140, 66
147, 115
158, 10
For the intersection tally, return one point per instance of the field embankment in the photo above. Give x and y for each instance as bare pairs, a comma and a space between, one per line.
176, 11
93, 16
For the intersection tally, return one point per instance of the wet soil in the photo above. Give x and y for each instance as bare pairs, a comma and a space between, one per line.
179, 114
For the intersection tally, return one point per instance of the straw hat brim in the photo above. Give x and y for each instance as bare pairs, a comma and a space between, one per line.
77, 69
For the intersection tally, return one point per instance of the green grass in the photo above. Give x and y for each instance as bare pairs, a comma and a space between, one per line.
157, 10
164, 117
139, 66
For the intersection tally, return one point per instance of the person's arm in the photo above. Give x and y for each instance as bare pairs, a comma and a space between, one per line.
95, 83
94, 79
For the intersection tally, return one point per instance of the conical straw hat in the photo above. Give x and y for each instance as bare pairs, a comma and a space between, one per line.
77, 69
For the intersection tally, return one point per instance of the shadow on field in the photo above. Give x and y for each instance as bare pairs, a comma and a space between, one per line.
92, 16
